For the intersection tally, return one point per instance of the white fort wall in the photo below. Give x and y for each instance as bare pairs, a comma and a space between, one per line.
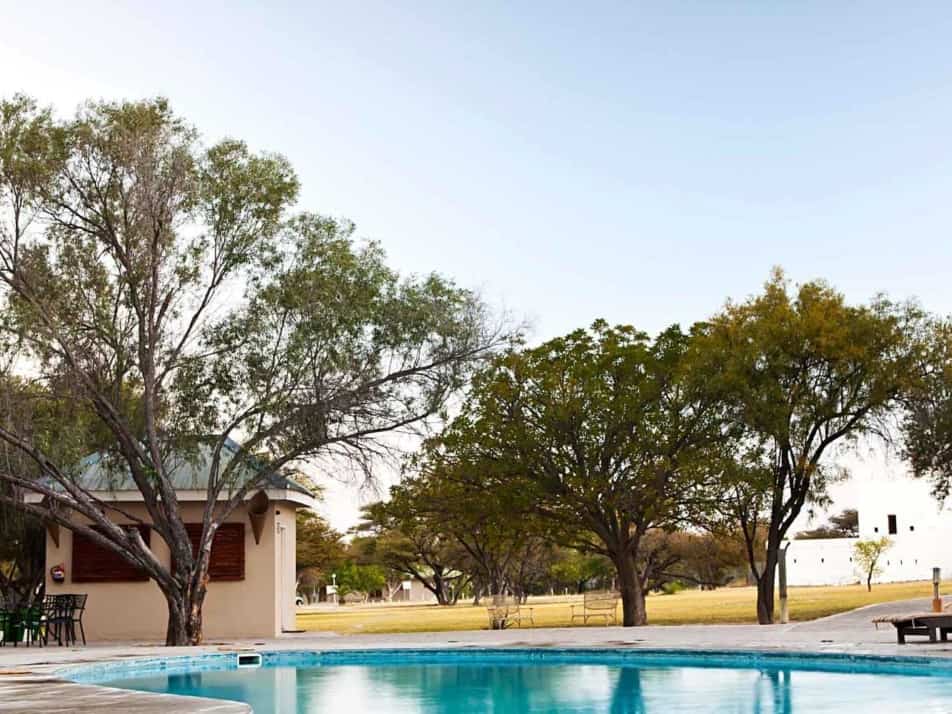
902, 510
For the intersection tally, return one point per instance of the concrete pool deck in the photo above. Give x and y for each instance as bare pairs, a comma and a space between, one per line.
28, 681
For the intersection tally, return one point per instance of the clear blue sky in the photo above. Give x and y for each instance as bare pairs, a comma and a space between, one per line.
637, 162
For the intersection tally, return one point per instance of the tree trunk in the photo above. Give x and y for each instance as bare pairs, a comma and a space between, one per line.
176, 633
186, 622
869, 582
765, 586
439, 588
632, 594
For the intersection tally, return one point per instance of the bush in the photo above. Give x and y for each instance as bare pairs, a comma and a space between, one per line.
672, 587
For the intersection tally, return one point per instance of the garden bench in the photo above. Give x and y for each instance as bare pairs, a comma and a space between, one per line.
506, 612
597, 604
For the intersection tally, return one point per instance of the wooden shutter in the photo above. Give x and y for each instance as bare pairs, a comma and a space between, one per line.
93, 563
227, 560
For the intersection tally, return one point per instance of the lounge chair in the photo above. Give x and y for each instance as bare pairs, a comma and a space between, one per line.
935, 625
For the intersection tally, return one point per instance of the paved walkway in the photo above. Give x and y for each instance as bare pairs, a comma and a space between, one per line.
27, 682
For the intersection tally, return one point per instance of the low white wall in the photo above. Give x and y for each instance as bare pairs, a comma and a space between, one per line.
827, 561
830, 561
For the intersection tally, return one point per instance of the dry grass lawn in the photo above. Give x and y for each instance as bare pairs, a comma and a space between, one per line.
727, 605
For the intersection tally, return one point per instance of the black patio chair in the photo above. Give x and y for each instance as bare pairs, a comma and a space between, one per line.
6, 626
76, 617
57, 613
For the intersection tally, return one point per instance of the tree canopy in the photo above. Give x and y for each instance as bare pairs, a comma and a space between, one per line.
927, 418
601, 436
844, 524
171, 290
802, 372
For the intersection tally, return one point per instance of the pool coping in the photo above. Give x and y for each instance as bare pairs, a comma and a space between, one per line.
610, 655
839, 639
64, 674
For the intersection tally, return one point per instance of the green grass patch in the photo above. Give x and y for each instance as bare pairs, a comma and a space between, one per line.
723, 606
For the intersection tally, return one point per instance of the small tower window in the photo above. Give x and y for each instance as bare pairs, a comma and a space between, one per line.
891, 520
912, 528
876, 529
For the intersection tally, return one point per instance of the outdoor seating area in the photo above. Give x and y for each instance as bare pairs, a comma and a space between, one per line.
603, 605
59, 618
506, 611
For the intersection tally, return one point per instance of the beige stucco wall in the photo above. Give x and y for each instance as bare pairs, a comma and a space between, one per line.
137, 611
285, 568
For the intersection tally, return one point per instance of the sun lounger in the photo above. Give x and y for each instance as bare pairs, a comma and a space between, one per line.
934, 625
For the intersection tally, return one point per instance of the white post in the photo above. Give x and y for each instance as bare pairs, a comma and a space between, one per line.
936, 598
784, 611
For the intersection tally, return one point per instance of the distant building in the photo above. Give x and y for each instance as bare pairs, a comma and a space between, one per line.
413, 591
902, 510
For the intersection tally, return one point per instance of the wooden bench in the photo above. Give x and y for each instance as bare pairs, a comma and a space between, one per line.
935, 625
507, 612
597, 604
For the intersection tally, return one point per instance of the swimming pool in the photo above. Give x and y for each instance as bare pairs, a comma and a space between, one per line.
544, 681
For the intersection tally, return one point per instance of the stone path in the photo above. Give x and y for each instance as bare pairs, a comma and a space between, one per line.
860, 618
51, 695
28, 683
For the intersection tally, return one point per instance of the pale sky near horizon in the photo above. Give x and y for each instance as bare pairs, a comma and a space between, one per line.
632, 161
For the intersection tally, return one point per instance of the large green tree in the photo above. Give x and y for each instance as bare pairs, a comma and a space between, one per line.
927, 416
411, 541
802, 372
319, 550
604, 436
58, 426
166, 286
497, 542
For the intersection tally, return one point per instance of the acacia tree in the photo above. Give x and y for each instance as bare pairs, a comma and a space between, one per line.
579, 569
33, 410
409, 542
867, 554
318, 549
801, 372
166, 287
927, 414
498, 539
844, 524
604, 436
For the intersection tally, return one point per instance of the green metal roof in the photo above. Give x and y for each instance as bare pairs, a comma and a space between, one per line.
189, 472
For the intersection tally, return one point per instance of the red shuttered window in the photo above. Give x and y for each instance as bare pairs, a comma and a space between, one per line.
93, 563
228, 550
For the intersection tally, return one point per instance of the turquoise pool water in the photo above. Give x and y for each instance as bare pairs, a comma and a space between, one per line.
619, 682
